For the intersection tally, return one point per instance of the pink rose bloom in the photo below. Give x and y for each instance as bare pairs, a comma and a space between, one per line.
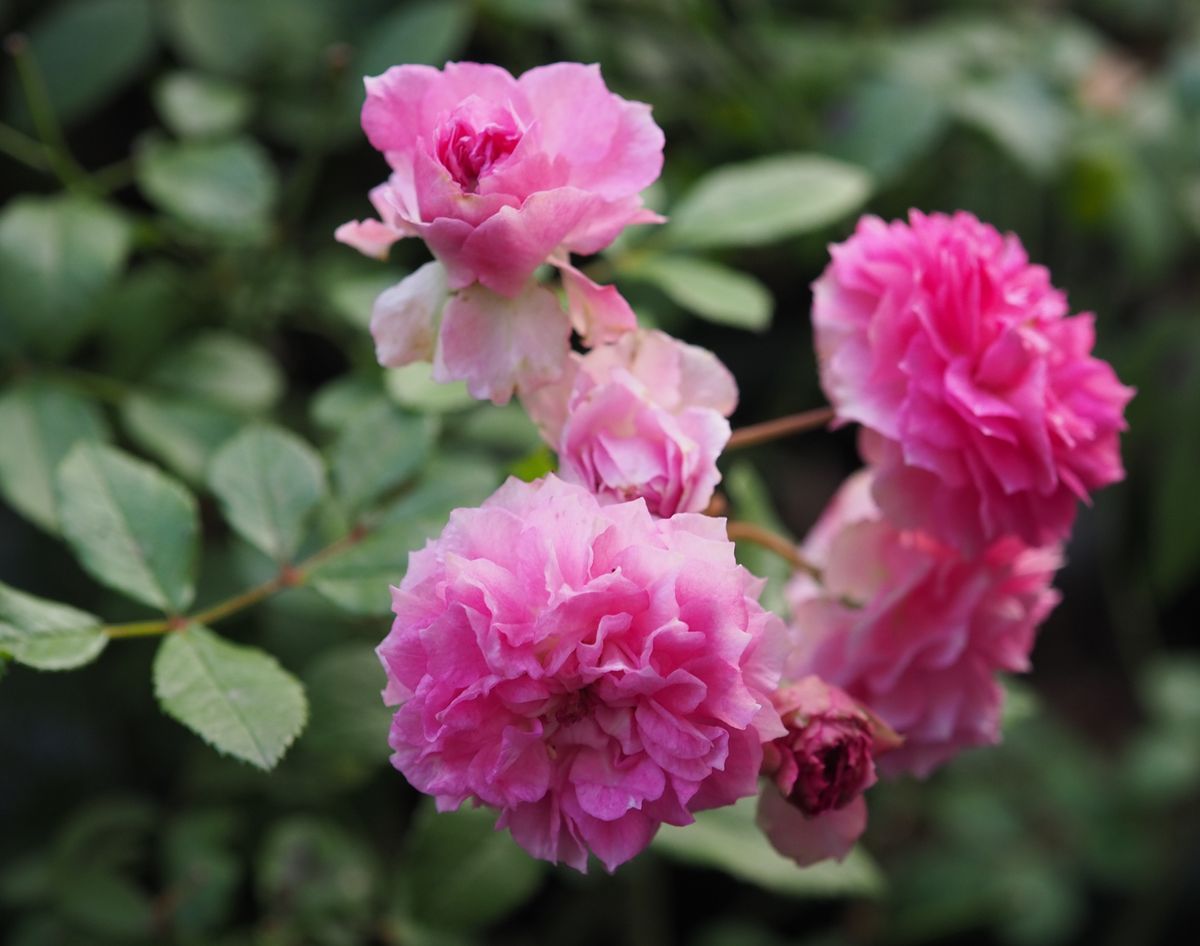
985, 412
813, 809
498, 176
589, 671
913, 630
642, 417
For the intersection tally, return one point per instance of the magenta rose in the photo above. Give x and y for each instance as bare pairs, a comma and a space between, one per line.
498, 176
589, 671
813, 809
912, 629
984, 411
642, 417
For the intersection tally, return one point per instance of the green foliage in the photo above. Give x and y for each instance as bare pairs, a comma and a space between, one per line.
132, 527
42, 421
236, 698
711, 291
269, 482
46, 635
57, 255
728, 839
765, 200
459, 874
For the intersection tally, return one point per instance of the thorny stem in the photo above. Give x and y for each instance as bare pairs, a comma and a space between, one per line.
780, 427
57, 156
290, 576
749, 532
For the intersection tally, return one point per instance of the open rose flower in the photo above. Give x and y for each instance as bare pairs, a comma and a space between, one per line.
499, 175
912, 629
814, 807
642, 417
589, 671
984, 410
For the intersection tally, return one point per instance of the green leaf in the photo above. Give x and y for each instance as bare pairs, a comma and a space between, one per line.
316, 879
1020, 115
57, 256
348, 719
459, 873
47, 635
199, 106
222, 189
236, 698
358, 579
41, 421
378, 450
183, 434
268, 481
751, 502
413, 387
766, 200
427, 32
729, 840
86, 50
203, 871
223, 369
888, 125
712, 291
132, 527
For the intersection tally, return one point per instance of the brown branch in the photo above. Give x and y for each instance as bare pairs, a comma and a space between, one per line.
780, 427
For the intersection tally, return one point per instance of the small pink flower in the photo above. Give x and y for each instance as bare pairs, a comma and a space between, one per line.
813, 809
644, 416
913, 630
984, 410
589, 671
498, 176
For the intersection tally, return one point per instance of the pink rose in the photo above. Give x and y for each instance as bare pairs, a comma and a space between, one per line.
498, 176
644, 416
985, 412
589, 671
913, 630
813, 809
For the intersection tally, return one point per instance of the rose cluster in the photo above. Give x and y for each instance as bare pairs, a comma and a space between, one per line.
583, 653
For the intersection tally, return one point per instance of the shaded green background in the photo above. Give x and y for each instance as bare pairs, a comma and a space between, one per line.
226, 132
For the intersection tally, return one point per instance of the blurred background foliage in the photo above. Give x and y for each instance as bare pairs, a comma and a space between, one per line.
172, 174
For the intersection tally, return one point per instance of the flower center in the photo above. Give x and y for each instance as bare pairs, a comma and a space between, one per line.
473, 140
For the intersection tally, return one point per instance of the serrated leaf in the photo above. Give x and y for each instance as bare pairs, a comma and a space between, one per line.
268, 482
459, 873
132, 527
41, 421
238, 699
224, 189
729, 840
184, 434
710, 290
765, 200
378, 450
57, 255
47, 635
223, 369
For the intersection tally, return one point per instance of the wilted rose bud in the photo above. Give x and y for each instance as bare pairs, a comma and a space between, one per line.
820, 768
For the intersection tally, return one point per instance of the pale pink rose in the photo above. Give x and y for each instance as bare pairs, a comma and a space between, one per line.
984, 410
813, 808
912, 629
589, 671
642, 417
498, 174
